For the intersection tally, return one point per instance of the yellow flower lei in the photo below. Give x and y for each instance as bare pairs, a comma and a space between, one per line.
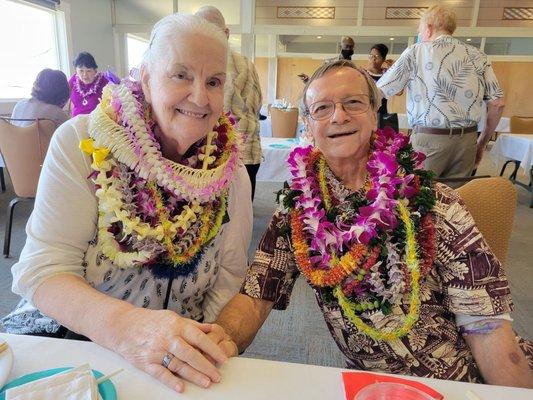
110, 211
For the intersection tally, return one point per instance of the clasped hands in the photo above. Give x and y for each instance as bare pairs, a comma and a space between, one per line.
171, 348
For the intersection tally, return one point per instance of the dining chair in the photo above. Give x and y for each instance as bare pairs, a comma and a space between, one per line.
523, 125
492, 203
23, 149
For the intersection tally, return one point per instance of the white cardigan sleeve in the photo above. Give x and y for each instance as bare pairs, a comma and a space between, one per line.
64, 217
232, 259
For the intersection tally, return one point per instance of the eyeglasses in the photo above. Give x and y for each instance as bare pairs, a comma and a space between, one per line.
374, 56
352, 105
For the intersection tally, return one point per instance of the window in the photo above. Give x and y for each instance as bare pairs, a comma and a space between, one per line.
29, 44
509, 46
310, 43
472, 41
136, 46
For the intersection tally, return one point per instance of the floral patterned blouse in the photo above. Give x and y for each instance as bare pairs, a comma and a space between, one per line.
466, 279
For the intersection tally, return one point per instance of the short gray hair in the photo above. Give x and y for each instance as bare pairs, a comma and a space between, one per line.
442, 18
213, 15
373, 92
171, 28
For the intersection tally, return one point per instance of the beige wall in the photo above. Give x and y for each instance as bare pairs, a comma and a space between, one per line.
515, 80
261, 65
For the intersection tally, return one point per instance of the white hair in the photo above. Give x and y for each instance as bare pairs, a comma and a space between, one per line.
213, 15
171, 28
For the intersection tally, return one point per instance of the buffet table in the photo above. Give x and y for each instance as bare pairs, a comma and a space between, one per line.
242, 378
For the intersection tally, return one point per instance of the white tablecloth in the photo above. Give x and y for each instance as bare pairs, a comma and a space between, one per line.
242, 378
510, 146
274, 163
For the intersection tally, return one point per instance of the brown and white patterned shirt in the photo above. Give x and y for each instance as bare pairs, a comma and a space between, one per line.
466, 279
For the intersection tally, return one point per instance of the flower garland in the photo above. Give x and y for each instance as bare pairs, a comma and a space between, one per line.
359, 260
147, 216
133, 143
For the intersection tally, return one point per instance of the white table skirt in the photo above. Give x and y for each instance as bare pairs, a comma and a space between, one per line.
511, 146
274, 162
242, 378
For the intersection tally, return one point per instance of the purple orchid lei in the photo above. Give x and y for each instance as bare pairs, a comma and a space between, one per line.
388, 184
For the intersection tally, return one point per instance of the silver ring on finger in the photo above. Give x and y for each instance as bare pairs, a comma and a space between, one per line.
167, 359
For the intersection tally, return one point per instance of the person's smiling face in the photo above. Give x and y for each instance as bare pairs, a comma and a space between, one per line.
344, 133
186, 91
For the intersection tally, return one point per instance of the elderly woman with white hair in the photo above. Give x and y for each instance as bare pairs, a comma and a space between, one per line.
136, 241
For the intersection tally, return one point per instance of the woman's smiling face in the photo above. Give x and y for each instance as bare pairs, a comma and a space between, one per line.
186, 91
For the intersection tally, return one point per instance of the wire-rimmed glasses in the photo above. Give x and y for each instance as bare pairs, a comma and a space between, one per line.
353, 105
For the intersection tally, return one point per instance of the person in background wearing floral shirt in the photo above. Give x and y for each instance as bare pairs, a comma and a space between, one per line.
403, 277
242, 97
447, 80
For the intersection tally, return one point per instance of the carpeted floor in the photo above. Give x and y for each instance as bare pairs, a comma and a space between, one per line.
299, 333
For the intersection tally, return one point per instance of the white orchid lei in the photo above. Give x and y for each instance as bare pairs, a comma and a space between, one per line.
152, 211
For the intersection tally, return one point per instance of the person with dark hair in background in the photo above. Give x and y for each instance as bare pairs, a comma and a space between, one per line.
376, 61
376, 58
49, 95
86, 84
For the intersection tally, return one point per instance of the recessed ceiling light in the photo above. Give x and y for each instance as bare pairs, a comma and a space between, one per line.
391, 38
319, 37
468, 40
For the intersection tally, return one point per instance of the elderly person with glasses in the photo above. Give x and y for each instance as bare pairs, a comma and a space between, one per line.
404, 279
143, 215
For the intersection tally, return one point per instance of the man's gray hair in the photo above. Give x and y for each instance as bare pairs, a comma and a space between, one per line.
373, 92
171, 28
213, 15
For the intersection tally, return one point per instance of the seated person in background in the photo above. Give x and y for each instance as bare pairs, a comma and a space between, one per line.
49, 95
86, 85
405, 280
138, 244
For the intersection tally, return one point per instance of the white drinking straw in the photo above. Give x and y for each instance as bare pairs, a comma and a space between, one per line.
109, 376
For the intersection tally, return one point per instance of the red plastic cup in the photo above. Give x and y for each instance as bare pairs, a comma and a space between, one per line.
391, 391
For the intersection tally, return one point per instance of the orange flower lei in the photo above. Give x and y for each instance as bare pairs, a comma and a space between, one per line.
340, 268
